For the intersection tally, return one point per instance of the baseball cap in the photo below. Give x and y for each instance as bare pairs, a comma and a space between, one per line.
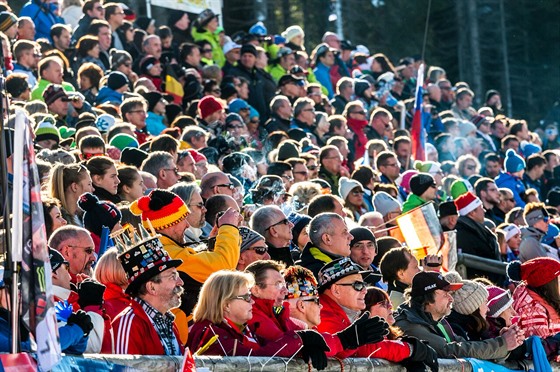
426, 282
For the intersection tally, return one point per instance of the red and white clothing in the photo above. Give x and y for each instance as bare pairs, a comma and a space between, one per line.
115, 300
135, 333
334, 319
537, 317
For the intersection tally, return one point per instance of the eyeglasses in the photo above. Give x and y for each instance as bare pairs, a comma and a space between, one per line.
385, 303
445, 88
309, 110
288, 178
357, 286
175, 170
99, 8
259, 250
316, 300
285, 221
235, 126
246, 297
546, 219
199, 205
471, 167
244, 109
88, 250
137, 111
302, 172
230, 186
174, 276
277, 285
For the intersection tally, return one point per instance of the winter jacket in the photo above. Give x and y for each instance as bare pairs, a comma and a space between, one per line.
154, 123
537, 317
360, 138
115, 300
214, 40
531, 246
282, 254
513, 183
334, 319
267, 325
314, 258
108, 95
42, 16
259, 93
322, 74
197, 267
339, 104
332, 179
411, 202
277, 123
135, 333
235, 342
276, 71
82, 29
464, 326
415, 322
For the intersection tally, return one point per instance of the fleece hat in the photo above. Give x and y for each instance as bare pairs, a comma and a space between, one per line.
237, 105
163, 208
536, 215
421, 182
197, 156
460, 187
258, 29
510, 231
7, 20
133, 156
385, 203
428, 166
229, 46
116, 80
529, 148
104, 122
513, 163
300, 282
98, 213
249, 48
46, 130
345, 185
300, 221
147, 63
535, 272
467, 203
499, 300
123, 140
360, 86
249, 237
292, 31
468, 298
209, 105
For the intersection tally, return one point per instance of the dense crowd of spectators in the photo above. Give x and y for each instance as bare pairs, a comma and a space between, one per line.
273, 177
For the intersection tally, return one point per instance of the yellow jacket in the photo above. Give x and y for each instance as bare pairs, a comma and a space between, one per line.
199, 265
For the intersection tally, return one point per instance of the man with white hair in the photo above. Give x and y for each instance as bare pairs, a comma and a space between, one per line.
272, 223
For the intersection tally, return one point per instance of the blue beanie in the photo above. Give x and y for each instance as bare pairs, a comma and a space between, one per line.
237, 105
551, 234
529, 149
514, 163
258, 29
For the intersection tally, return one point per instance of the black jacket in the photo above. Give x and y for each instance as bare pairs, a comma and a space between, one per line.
282, 254
314, 258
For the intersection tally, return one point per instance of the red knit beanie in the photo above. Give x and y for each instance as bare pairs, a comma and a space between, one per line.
539, 271
209, 105
163, 208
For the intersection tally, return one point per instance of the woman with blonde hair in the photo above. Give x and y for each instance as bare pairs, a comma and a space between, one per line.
224, 307
110, 273
68, 182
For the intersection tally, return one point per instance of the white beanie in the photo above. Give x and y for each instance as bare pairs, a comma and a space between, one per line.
292, 32
385, 203
345, 185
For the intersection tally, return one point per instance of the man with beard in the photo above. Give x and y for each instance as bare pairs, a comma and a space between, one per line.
76, 246
146, 327
167, 214
422, 316
488, 193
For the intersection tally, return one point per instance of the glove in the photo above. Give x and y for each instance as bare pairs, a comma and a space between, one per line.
63, 310
314, 348
363, 331
91, 293
82, 320
421, 352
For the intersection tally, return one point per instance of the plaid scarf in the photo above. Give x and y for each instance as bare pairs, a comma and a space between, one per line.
163, 323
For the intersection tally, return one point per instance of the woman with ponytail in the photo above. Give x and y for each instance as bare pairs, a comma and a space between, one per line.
67, 183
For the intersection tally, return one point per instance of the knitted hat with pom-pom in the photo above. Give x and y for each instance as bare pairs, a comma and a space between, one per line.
535, 272
163, 208
98, 213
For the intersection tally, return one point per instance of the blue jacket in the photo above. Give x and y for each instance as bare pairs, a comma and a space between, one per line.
108, 95
154, 124
513, 183
43, 16
323, 76
72, 340
6, 334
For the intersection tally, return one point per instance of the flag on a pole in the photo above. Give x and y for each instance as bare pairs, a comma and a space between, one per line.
173, 86
417, 133
30, 245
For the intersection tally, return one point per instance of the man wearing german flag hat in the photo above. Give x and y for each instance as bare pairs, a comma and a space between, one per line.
167, 214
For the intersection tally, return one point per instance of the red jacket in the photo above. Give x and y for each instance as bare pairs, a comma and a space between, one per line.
134, 333
234, 343
357, 127
115, 300
266, 324
334, 319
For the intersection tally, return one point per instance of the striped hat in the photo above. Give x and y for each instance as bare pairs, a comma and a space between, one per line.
498, 301
46, 130
7, 20
460, 187
163, 208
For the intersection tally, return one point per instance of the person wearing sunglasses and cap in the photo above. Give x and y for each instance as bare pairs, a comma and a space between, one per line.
537, 218
253, 248
342, 292
428, 302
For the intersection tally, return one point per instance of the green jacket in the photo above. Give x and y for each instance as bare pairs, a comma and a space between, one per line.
214, 40
277, 71
37, 93
412, 202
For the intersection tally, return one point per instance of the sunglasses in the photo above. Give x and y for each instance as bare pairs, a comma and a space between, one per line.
246, 297
284, 221
230, 186
312, 167
357, 192
357, 286
91, 155
259, 250
316, 300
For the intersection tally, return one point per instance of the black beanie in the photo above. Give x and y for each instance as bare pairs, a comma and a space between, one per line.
421, 182
133, 156
116, 80
98, 213
362, 233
